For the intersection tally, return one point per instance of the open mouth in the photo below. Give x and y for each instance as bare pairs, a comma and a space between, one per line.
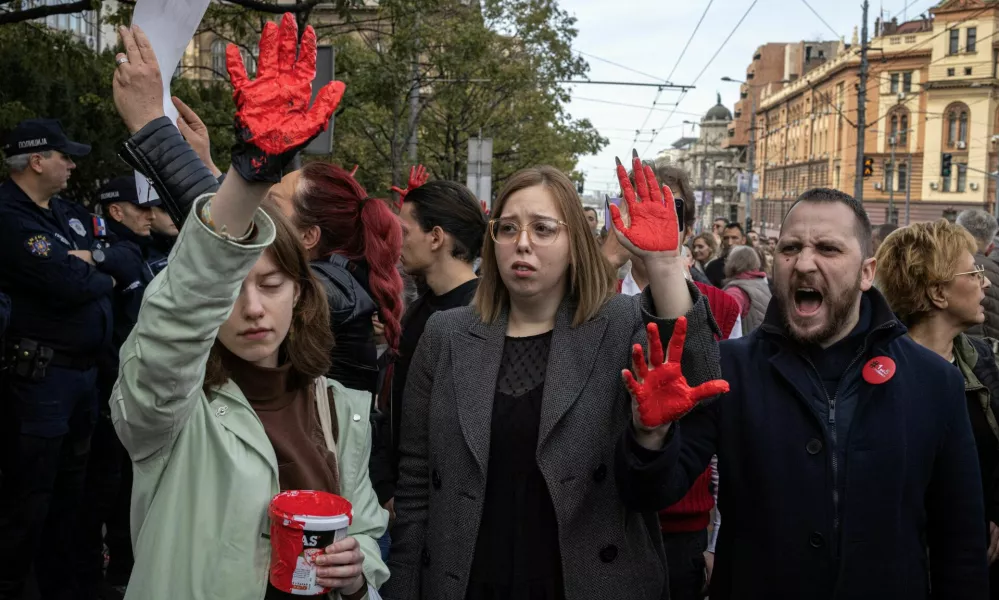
807, 301
522, 268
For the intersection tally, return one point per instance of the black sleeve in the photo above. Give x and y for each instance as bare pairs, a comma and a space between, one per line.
123, 261
37, 265
954, 507
161, 153
651, 480
381, 466
4, 313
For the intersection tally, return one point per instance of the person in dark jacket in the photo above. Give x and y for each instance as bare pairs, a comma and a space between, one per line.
442, 230
4, 316
844, 447
983, 227
732, 236
928, 274
62, 303
354, 242
125, 230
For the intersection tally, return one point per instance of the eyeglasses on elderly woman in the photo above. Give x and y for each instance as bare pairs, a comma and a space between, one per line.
978, 272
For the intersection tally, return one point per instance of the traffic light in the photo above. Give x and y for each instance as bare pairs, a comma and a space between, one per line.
579, 187
945, 165
868, 166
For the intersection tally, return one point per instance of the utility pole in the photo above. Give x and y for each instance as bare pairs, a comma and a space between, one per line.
704, 180
891, 183
751, 159
908, 181
858, 180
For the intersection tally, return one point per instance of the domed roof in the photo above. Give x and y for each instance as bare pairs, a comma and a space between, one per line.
718, 112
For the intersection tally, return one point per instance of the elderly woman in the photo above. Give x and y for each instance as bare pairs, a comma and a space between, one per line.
927, 273
745, 282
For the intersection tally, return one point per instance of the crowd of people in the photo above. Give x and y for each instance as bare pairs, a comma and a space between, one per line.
490, 392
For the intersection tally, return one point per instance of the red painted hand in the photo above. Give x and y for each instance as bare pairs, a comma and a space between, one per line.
654, 226
273, 118
661, 394
485, 207
417, 177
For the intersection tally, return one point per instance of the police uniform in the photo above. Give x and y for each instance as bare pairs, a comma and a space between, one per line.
130, 257
61, 321
4, 317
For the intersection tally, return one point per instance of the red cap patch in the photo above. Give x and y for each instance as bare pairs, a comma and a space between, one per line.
879, 370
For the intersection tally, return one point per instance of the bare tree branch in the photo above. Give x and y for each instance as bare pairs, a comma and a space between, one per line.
275, 9
38, 12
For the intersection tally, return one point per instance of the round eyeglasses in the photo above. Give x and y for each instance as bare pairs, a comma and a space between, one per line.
542, 232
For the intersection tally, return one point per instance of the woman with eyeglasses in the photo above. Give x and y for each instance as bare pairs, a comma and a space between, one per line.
927, 273
525, 471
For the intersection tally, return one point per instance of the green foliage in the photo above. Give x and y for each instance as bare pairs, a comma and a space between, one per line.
48, 74
494, 71
45, 74
491, 66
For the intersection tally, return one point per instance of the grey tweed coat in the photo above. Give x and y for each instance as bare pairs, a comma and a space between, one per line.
604, 493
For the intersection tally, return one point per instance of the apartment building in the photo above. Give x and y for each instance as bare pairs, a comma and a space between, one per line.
930, 99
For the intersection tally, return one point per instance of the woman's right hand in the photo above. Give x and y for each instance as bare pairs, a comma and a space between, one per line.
273, 118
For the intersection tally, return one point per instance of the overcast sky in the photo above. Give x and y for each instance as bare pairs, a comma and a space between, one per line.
649, 35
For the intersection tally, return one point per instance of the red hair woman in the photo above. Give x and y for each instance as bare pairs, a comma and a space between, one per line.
354, 243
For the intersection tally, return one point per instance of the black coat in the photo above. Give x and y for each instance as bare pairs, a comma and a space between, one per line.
910, 482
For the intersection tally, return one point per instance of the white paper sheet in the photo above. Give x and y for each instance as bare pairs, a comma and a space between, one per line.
169, 25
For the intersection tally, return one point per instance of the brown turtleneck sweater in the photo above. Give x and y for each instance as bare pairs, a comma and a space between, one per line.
291, 423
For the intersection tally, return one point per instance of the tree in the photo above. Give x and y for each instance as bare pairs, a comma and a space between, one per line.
44, 73
18, 11
492, 68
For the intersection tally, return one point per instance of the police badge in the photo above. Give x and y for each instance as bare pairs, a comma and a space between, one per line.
39, 245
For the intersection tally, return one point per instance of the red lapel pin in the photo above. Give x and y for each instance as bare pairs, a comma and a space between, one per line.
879, 370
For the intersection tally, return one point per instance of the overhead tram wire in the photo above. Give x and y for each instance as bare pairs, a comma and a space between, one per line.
819, 17
673, 71
701, 74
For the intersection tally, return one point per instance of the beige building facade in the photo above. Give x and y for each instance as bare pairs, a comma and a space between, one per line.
931, 94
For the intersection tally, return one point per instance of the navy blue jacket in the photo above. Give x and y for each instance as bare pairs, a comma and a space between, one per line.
56, 299
795, 527
4, 313
132, 269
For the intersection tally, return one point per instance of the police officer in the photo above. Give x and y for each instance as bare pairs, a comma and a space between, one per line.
62, 322
164, 235
125, 250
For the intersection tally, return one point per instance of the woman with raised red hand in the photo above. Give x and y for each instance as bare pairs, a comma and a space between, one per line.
221, 401
525, 470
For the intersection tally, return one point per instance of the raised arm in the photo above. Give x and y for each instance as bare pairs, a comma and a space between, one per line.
163, 361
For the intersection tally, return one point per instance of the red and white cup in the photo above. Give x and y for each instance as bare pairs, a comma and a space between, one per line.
303, 524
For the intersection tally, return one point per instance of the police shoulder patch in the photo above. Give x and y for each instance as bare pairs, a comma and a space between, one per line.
39, 245
78, 227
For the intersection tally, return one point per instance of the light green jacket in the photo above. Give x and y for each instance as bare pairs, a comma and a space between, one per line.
204, 470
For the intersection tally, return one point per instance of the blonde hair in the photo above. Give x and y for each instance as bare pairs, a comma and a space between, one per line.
591, 279
913, 258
